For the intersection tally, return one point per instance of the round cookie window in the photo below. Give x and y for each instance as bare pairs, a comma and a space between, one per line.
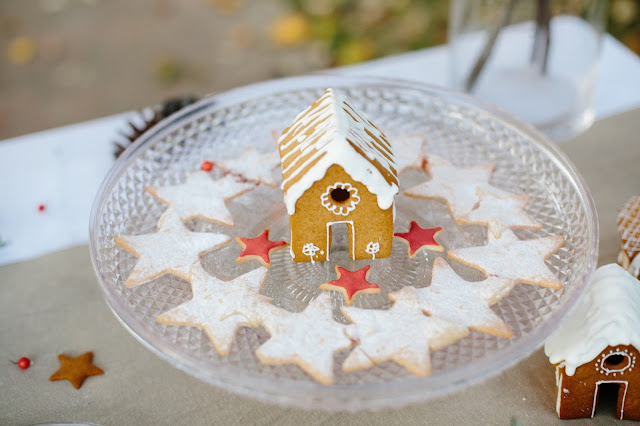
340, 198
616, 362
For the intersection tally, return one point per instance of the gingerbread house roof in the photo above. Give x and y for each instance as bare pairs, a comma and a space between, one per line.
332, 132
607, 315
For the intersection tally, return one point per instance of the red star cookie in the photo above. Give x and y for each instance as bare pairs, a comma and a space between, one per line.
258, 248
419, 238
351, 283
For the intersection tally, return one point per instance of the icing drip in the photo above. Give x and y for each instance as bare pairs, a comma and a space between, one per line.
608, 315
332, 132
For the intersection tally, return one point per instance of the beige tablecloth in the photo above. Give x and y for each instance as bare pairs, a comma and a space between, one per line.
53, 305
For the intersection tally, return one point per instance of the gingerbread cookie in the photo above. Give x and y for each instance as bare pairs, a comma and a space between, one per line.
76, 370
252, 166
172, 250
259, 248
461, 302
308, 339
219, 307
628, 221
201, 197
455, 186
351, 284
409, 152
500, 212
510, 258
419, 238
402, 334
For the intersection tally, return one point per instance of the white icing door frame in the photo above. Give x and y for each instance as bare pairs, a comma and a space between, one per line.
352, 243
624, 395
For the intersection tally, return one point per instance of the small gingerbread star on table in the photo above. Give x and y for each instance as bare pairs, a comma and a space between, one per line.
420, 238
76, 369
351, 283
258, 248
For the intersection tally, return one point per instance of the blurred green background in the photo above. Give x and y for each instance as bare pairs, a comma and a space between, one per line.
66, 61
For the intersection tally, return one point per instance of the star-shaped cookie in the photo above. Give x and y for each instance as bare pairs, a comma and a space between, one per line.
511, 258
201, 197
308, 339
462, 302
76, 369
420, 238
258, 248
402, 334
408, 152
351, 283
253, 166
171, 250
500, 212
453, 185
220, 307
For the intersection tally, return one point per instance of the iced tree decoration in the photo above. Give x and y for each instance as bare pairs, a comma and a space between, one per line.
372, 249
310, 250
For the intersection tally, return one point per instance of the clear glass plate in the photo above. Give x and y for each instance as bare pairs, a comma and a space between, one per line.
457, 127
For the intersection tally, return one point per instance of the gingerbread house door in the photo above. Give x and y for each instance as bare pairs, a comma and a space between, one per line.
621, 397
352, 234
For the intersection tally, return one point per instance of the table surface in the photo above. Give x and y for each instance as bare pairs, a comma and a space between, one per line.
52, 305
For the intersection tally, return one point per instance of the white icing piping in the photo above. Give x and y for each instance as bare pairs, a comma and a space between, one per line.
559, 384
624, 395
352, 243
333, 125
345, 208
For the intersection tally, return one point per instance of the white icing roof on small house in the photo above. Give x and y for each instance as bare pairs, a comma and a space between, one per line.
333, 132
607, 315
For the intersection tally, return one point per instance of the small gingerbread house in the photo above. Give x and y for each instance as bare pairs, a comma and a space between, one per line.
597, 346
337, 168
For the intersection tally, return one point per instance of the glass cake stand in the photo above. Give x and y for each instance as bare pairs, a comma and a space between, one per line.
457, 127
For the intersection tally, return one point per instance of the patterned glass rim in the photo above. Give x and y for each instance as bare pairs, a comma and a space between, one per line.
311, 395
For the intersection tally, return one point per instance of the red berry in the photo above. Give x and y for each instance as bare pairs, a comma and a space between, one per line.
207, 166
42, 208
24, 363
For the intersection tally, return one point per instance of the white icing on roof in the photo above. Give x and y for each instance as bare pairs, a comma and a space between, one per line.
607, 315
332, 132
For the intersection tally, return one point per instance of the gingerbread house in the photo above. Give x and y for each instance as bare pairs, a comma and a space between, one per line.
337, 168
596, 347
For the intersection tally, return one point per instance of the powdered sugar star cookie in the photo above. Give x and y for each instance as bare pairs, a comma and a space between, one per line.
220, 307
408, 151
201, 197
351, 283
402, 334
171, 250
511, 258
419, 238
451, 298
258, 248
500, 213
253, 166
308, 339
456, 186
